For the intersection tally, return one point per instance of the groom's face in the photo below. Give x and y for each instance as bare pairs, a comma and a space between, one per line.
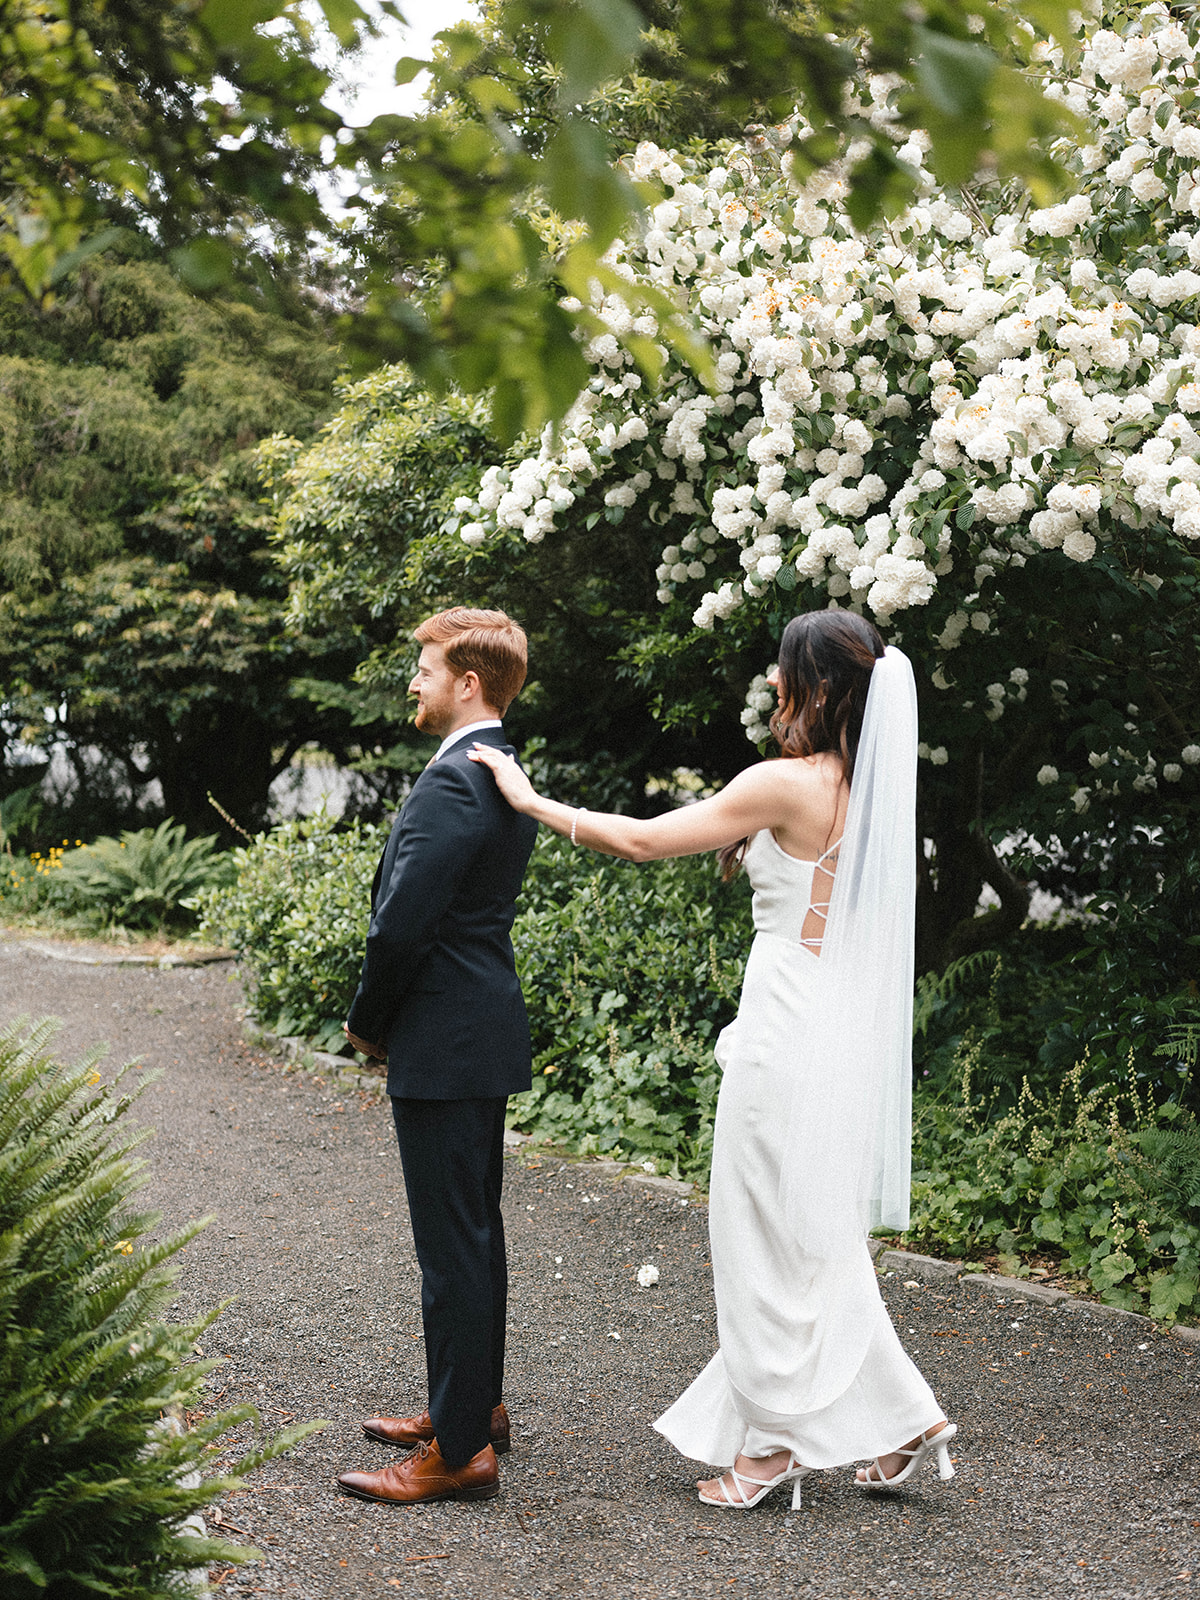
437, 690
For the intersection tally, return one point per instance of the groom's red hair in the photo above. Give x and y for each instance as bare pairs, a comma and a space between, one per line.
488, 643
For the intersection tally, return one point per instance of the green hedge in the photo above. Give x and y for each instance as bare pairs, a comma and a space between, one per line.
630, 973
296, 913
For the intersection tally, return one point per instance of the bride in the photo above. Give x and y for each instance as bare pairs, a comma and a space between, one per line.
811, 1146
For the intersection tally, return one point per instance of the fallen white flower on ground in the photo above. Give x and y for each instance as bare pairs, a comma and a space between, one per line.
647, 1276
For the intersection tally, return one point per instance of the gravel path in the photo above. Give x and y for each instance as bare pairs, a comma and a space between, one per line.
1077, 1454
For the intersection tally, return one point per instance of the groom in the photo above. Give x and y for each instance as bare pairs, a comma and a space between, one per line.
439, 1001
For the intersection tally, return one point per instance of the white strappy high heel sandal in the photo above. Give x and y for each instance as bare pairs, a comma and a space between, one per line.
792, 1473
927, 1445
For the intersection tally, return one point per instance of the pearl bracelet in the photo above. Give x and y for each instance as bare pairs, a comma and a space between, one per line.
579, 811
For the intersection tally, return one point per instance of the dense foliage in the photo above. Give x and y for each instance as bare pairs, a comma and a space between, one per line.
970, 423
296, 913
661, 96
209, 127
1084, 1176
142, 640
195, 124
143, 881
95, 1491
361, 536
125, 385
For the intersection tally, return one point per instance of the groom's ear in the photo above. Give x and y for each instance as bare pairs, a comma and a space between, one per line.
471, 684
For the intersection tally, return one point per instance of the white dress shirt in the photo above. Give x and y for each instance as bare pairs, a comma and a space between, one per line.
462, 733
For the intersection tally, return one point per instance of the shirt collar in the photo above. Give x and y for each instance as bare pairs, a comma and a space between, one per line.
461, 733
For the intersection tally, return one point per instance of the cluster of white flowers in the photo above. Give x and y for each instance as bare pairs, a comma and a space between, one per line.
937, 756
760, 703
899, 418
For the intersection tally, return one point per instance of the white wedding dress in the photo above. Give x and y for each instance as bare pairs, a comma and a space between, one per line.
808, 1358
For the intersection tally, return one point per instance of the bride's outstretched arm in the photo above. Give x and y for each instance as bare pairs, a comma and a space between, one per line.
757, 798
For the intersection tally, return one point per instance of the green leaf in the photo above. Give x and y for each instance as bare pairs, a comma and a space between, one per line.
66, 264
233, 22
1048, 1226
490, 95
953, 74
1112, 1269
1052, 17
408, 68
462, 44
343, 17
1171, 1290
204, 265
880, 185
591, 43
581, 181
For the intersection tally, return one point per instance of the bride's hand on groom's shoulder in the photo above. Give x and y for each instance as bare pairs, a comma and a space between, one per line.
510, 780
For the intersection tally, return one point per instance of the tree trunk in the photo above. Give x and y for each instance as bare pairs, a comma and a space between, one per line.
955, 859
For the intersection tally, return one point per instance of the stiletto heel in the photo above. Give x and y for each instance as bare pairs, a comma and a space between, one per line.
792, 1473
927, 1445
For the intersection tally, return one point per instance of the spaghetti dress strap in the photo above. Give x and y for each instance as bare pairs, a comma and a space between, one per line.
820, 908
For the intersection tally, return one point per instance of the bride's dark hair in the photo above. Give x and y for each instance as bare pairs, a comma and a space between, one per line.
825, 664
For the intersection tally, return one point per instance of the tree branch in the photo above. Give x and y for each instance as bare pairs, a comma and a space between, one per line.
984, 932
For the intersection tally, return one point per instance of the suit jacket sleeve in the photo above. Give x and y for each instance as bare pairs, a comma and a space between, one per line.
437, 836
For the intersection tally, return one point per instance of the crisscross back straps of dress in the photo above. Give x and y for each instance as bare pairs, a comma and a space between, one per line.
812, 933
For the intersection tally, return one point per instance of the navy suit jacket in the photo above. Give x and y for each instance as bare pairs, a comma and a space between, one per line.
439, 983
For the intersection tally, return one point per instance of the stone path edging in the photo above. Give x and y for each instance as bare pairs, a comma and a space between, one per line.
926, 1269
930, 1269
86, 956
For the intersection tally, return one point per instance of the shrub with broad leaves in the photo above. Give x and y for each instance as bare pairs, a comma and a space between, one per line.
296, 912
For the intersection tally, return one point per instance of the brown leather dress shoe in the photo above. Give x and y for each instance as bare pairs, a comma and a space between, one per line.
425, 1476
408, 1431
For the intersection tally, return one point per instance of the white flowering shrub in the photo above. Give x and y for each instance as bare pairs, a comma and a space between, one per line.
976, 424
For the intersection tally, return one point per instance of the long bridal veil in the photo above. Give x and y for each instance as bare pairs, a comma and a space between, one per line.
850, 1116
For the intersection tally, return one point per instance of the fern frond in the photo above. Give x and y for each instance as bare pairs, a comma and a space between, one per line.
935, 988
1171, 1157
92, 1491
1183, 1044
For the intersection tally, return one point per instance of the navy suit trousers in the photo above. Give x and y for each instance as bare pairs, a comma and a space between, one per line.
452, 1152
